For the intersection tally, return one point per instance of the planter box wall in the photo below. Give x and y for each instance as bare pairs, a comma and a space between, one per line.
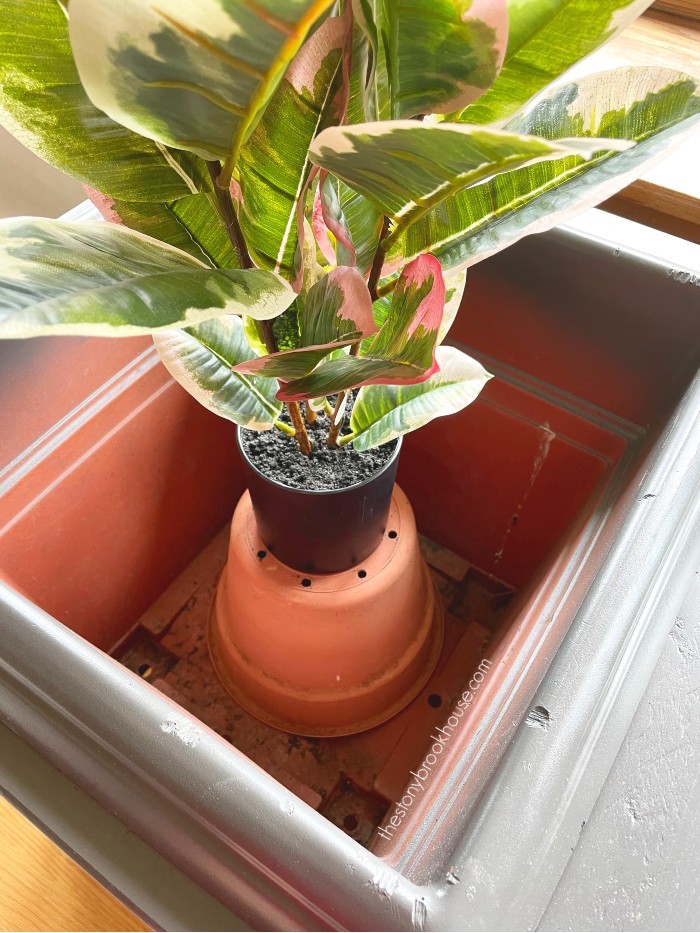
594, 349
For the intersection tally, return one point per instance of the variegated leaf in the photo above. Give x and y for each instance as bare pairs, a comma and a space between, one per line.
333, 217
362, 105
455, 284
191, 224
382, 413
274, 166
337, 312
196, 76
337, 307
356, 224
320, 228
655, 107
405, 168
201, 359
440, 54
364, 224
99, 279
545, 38
43, 104
291, 364
404, 349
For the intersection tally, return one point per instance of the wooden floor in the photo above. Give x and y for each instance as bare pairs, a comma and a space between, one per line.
42, 889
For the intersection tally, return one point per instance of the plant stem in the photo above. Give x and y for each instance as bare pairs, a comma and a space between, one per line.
228, 215
235, 234
378, 261
387, 288
310, 413
285, 428
336, 422
300, 428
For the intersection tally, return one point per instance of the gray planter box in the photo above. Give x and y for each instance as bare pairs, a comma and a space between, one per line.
599, 321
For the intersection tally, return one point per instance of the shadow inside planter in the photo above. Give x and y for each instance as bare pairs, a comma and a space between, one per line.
114, 518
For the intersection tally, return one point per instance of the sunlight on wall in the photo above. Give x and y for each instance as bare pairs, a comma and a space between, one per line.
30, 186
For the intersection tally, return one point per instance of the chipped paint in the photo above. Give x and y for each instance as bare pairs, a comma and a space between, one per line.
185, 731
419, 914
538, 463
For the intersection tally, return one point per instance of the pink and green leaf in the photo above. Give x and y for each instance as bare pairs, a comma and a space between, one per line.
337, 307
334, 220
290, 364
337, 312
321, 230
402, 353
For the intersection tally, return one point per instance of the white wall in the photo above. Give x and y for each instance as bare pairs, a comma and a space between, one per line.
28, 186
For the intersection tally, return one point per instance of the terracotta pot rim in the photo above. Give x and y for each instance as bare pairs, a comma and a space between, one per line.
315, 492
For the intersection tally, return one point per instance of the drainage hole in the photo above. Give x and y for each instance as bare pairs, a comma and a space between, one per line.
434, 700
350, 822
393, 534
306, 582
362, 574
262, 554
145, 670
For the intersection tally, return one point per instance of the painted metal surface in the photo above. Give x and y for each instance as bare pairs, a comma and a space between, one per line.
528, 779
635, 865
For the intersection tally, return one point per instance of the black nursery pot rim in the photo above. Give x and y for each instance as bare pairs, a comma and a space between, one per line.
314, 492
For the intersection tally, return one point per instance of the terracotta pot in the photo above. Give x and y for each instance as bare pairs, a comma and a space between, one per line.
320, 531
326, 654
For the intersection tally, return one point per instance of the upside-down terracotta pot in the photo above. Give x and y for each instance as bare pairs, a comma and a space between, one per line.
325, 653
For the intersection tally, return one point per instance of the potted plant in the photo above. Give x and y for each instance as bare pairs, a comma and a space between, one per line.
295, 195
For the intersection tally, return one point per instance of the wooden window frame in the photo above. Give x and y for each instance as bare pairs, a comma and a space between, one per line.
684, 11
668, 196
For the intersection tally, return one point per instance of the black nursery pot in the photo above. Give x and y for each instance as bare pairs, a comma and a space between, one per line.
321, 531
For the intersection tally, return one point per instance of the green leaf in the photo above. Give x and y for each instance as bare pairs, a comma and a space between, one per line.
405, 168
364, 223
440, 54
404, 349
274, 166
337, 312
382, 413
201, 358
362, 106
196, 76
191, 224
369, 76
100, 279
547, 37
43, 104
655, 107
